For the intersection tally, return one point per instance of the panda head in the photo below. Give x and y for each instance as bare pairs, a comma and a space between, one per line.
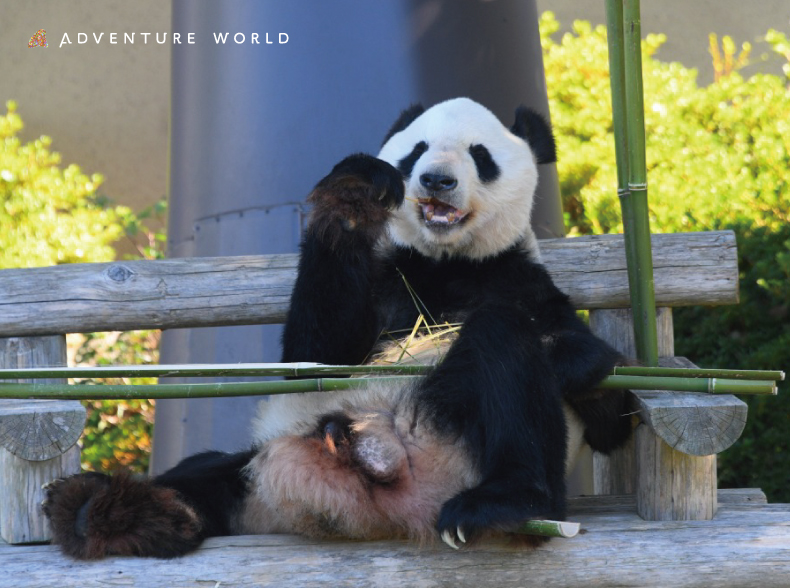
469, 180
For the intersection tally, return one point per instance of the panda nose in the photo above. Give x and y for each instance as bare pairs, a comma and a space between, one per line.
438, 182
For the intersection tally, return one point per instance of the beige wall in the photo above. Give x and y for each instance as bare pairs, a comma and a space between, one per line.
106, 106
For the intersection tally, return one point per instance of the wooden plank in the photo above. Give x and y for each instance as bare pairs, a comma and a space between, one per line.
690, 268
37, 441
742, 547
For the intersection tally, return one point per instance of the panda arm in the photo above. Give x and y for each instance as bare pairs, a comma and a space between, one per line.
581, 360
495, 390
333, 316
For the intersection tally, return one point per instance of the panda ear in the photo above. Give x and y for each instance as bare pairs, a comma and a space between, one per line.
404, 120
534, 129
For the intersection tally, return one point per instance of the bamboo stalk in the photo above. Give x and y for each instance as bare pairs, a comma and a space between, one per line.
625, 65
217, 389
167, 391
774, 375
707, 385
212, 370
317, 369
614, 26
550, 528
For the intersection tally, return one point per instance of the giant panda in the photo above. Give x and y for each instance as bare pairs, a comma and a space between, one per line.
437, 225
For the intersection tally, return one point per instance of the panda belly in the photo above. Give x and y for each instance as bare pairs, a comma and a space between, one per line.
388, 477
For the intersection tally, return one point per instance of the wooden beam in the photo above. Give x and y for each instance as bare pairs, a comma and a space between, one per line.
690, 268
745, 546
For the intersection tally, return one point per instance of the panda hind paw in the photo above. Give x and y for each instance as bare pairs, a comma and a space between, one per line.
94, 515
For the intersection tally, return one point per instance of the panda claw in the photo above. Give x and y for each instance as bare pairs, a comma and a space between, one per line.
461, 536
447, 538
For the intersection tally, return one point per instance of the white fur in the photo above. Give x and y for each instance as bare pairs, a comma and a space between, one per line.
499, 211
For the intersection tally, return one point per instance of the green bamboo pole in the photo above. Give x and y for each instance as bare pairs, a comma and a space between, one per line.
211, 370
708, 385
774, 375
167, 391
162, 391
625, 59
316, 369
615, 36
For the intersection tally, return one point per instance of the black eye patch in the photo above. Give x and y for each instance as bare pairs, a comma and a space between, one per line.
406, 165
487, 169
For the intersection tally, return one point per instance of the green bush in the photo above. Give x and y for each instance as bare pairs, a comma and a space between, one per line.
718, 157
49, 215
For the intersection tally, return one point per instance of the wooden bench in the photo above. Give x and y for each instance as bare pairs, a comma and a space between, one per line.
668, 473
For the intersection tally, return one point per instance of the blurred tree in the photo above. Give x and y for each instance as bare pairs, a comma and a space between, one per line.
718, 157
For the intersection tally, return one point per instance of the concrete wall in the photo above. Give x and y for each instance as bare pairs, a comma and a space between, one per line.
107, 106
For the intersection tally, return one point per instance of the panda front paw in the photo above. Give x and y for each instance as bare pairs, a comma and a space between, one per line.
356, 198
94, 515
474, 513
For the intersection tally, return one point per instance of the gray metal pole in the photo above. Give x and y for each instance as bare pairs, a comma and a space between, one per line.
253, 127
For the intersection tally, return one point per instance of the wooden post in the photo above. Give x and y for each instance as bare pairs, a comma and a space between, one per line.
37, 441
669, 484
616, 473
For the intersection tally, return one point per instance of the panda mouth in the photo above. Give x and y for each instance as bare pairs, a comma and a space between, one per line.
440, 214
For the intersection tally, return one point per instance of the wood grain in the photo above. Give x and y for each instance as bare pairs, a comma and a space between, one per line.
690, 268
745, 546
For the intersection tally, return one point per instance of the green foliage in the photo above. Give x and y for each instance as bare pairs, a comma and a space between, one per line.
48, 214
117, 432
718, 157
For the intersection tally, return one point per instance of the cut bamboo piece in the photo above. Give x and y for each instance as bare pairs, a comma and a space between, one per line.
563, 529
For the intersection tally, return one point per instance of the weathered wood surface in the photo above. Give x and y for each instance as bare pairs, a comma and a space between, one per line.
21, 494
37, 440
38, 430
690, 268
670, 485
692, 423
747, 545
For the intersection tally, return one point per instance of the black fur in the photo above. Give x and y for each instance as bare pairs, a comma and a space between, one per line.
406, 165
534, 129
213, 484
487, 168
404, 120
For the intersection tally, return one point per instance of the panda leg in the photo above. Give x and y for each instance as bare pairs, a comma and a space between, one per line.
95, 515
496, 389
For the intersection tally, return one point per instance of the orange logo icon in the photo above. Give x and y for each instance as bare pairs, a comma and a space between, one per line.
39, 39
